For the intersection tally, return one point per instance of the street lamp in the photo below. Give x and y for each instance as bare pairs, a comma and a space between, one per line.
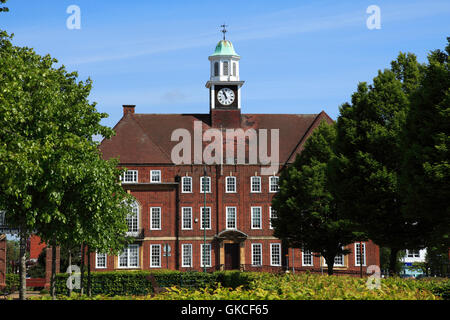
203, 219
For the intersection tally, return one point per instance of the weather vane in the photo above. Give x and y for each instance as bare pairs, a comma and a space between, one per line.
224, 30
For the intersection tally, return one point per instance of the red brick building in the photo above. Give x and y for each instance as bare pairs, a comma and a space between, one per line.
170, 198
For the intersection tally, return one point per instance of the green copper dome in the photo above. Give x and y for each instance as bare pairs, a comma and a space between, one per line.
224, 48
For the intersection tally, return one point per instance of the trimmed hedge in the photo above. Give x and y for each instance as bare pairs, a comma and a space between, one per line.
135, 283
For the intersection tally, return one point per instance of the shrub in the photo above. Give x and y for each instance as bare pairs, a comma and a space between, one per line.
12, 280
135, 282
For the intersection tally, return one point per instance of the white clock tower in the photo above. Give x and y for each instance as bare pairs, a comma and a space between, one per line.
224, 84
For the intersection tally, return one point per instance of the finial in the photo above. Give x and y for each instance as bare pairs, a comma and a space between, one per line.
224, 30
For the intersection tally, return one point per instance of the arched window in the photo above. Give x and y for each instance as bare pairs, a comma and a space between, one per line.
234, 69
216, 69
133, 220
225, 68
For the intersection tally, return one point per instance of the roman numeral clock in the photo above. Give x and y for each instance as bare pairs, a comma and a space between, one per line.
224, 83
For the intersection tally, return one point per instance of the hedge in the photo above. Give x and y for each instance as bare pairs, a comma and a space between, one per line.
136, 283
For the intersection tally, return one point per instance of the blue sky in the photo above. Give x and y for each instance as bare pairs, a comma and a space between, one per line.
296, 56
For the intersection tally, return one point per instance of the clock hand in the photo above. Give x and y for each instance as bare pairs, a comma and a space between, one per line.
226, 97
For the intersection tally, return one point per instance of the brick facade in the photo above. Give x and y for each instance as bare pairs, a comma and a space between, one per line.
168, 196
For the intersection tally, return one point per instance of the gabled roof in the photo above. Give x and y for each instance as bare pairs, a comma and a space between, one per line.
146, 138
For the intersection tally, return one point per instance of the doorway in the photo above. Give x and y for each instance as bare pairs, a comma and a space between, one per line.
232, 256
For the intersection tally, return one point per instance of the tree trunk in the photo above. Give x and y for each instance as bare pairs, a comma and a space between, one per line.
393, 262
53, 277
82, 270
23, 267
70, 268
330, 265
89, 291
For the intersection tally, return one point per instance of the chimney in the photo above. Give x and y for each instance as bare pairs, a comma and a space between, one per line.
128, 108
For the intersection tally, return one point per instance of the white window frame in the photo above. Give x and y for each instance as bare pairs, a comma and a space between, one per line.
228, 219
257, 178
254, 245
135, 216
253, 219
158, 246
127, 250
272, 215
103, 256
201, 218
134, 178
159, 176
202, 248
227, 179
183, 227
183, 256
411, 253
307, 253
339, 264
183, 183
271, 184
208, 184
159, 220
272, 263
357, 253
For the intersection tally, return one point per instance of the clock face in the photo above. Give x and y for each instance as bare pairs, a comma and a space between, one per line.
226, 96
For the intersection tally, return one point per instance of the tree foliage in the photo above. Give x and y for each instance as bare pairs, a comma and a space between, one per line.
53, 181
307, 214
365, 175
426, 143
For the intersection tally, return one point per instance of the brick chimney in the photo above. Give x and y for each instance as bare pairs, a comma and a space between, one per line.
128, 108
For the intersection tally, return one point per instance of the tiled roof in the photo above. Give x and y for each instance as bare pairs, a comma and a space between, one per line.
146, 138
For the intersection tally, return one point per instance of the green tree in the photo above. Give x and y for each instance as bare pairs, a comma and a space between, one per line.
426, 146
307, 214
47, 151
3, 9
365, 175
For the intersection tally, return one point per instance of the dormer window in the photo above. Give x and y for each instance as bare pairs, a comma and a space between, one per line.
225, 68
130, 176
155, 176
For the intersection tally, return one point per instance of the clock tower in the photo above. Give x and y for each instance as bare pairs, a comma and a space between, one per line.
224, 85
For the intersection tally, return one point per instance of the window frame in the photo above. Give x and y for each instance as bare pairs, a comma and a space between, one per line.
99, 255
208, 190
132, 233
260, 254
308, 253
357, 254
159, 175
227, 218
152, 255
183, 265
183, 179
251, 184
272, 215
271, 184
253, 220
128, 250
226, 184
272, 245
201, 218
202, 248
183, 218
135, 176
159, 220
